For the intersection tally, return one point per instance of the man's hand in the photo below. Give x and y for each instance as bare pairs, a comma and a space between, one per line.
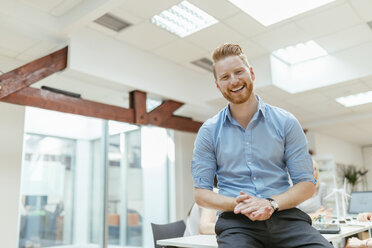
356, 243
364, 217
252, 207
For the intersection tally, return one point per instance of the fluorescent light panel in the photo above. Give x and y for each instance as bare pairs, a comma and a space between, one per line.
268, 12
357, 99
183, 19
300, 52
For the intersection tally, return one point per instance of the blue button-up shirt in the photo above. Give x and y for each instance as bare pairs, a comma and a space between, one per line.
256, 160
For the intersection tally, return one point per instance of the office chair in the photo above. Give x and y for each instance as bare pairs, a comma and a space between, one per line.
167, 231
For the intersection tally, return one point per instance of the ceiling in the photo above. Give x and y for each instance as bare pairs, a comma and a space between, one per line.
34, 28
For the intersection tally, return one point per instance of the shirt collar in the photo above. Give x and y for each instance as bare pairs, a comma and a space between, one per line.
260, 107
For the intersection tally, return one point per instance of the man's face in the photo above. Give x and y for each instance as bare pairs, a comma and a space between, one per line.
234, 79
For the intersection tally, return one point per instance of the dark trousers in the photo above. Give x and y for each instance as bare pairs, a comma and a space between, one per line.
285, 229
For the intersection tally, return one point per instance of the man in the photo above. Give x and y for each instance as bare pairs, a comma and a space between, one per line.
252, 147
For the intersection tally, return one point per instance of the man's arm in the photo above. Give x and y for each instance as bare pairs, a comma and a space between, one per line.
260, 209
208, 199
295, 195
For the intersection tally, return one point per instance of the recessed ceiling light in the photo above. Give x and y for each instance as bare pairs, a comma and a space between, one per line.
183, 19
357, 99
268, 12
300, 52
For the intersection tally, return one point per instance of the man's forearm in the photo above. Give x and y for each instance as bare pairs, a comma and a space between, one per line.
209, 199
295, 195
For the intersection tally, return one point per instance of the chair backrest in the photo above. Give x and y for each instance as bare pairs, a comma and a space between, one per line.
167, 231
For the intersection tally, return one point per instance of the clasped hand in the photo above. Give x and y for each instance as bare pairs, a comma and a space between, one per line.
252, 207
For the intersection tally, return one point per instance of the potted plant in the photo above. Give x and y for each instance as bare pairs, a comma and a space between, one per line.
353, 175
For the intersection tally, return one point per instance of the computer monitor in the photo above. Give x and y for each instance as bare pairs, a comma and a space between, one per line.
36, 201
360, 202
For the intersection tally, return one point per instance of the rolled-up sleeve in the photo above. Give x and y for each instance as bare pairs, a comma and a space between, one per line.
203, 164
296, 156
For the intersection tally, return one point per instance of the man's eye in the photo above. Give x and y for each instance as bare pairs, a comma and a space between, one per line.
239, 72
225, 77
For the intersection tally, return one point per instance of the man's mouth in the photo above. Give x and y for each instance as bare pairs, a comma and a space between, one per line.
237, 89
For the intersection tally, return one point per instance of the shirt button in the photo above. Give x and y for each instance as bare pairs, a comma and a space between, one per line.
259, 195
254, 178
247, 143
249, 162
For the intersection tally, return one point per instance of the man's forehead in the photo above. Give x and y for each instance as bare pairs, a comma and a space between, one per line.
229, 62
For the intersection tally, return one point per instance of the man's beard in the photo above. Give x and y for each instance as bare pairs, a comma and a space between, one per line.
241, 98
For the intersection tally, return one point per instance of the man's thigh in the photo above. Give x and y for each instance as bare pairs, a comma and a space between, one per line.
240, 232
292, 228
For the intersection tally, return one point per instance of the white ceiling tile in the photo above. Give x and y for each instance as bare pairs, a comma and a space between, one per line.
252, 49
368, 81
219, 103
15, 41
329, 21
344, 89
306, 99
245, 24
283, 36
197, 68
273, 91
44, 5
7, 64
40, 49
8, 53
147, 9
346, 38
127, 16
329, 109
65, 6
214, 36
180, 51
363, 108
363, 9
219, 9
26, 58
146, 36
102, 29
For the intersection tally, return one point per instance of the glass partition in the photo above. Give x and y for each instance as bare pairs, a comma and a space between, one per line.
63, 186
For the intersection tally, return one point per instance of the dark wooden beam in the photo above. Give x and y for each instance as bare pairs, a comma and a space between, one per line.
182, 124
163, 112
32, 72
53, 101
137, 102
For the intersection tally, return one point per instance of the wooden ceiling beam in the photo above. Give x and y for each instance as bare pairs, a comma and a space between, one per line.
14, 88
32, 72
54, 101
163, 112
137, 102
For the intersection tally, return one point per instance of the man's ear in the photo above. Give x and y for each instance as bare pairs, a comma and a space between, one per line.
252, 73
217, 85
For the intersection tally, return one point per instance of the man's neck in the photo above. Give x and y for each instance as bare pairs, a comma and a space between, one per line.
244, 112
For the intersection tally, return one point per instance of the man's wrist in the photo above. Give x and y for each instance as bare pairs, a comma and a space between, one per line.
274, 204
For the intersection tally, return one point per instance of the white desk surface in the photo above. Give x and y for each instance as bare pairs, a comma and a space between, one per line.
209, 241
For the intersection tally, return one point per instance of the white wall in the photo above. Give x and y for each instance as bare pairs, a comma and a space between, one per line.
367, 155
343, 151
184, 145
11, 141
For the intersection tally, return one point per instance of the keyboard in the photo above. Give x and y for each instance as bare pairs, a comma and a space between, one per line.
326, 228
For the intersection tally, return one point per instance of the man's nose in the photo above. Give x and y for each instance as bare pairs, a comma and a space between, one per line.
234, 80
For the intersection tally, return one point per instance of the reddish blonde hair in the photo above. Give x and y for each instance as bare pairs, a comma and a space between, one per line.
226, 50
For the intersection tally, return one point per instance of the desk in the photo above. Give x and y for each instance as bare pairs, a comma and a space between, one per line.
209, 241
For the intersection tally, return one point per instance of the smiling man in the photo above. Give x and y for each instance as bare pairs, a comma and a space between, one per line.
252, 147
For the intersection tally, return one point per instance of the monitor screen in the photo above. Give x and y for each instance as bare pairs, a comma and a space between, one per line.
36, 200
360, 202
